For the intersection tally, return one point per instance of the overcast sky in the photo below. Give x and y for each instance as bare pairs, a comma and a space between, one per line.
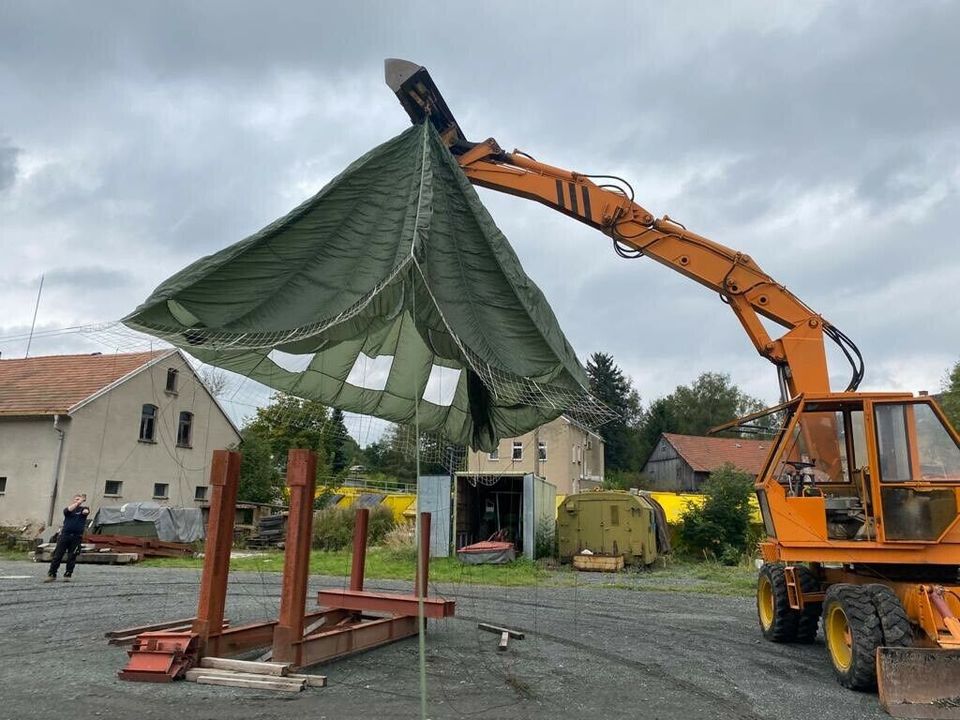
821, 138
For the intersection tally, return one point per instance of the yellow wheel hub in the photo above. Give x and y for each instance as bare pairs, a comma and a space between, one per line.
839, 638
765, 602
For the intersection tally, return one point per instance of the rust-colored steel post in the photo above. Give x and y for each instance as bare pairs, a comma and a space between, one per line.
224, 481
301, 480
423, 557
358, 566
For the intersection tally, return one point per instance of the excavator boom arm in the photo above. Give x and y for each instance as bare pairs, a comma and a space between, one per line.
799, 354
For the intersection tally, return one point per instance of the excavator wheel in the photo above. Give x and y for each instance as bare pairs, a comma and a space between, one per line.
809, 618
853, 632
778, 621
894, 624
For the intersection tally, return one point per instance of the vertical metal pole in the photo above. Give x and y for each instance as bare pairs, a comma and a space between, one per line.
301, 480
423, 557
358, 566
224, 481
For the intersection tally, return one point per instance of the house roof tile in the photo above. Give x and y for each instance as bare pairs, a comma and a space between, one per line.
705, 454
53, 384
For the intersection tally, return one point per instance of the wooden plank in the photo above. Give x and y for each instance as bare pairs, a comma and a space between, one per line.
311, 680
245, 681
248, 666
504, 639
500, 630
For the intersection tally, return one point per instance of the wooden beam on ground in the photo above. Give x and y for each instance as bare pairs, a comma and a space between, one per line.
504, 639
496, 629
245, 666
246, 681
311, 680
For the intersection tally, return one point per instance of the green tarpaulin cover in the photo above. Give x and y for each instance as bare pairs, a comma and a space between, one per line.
391, 287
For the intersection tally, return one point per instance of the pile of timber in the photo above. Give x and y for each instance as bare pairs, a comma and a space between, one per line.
271, 530
142, 546
89, 553
253, 675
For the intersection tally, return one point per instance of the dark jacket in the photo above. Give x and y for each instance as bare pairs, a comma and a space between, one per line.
75, 521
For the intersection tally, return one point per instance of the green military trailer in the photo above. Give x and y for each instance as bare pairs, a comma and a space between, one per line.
612, 523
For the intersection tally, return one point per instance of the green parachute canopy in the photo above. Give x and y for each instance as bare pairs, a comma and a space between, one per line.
391, 293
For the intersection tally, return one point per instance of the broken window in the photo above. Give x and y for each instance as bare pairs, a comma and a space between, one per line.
172, 374
185, 430
148, 423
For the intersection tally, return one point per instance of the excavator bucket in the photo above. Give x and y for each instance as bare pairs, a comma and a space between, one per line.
919, 682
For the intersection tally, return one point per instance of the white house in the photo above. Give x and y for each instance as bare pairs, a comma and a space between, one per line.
122, 427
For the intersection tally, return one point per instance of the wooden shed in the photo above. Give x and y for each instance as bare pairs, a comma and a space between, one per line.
682, 463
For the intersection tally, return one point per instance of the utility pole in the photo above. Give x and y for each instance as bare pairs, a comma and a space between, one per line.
34, 323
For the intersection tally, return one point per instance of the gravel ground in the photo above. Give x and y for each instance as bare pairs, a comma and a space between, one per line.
589, 652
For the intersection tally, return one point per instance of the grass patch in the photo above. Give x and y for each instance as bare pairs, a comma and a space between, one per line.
382, 564
693, 577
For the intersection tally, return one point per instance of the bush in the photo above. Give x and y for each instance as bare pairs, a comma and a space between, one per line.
333, 527
720, 528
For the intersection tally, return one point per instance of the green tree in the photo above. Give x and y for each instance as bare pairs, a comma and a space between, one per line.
711, 400
614, 389
292, 423
950, 397
341, 448
720, 528
260, 480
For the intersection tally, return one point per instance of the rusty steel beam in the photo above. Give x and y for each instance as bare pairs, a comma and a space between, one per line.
364, 601
224, 481
349, 639
359, 557
301, 479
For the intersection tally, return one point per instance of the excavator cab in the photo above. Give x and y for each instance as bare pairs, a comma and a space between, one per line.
877, 469
860, 499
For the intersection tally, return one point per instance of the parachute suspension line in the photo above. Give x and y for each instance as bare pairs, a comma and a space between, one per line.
422, 562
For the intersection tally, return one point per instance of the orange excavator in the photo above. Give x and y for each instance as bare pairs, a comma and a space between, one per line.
859, 493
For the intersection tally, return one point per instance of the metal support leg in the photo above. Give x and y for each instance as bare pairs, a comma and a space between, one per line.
359, 558
224, 480
301, 480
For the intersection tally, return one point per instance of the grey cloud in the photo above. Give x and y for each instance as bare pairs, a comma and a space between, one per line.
89, 279
8, 164
168, 130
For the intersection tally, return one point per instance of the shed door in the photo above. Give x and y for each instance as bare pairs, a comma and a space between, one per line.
433, 496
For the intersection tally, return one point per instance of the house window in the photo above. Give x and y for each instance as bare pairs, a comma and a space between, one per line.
200, 494
542, 451
172, 380
495, 454
113, 488
185, 430
3, 485
148, 423
161, 491
517, 450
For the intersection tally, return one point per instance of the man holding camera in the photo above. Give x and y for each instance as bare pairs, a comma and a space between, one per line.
71, 536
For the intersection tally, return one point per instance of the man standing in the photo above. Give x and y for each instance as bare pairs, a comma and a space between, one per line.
71, 535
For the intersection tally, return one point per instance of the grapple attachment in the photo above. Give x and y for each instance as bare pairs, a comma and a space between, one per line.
919, 682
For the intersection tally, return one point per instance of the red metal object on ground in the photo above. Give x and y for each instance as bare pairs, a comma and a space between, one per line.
345, 626
395, 604
224, 481
301, 479
160, 657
